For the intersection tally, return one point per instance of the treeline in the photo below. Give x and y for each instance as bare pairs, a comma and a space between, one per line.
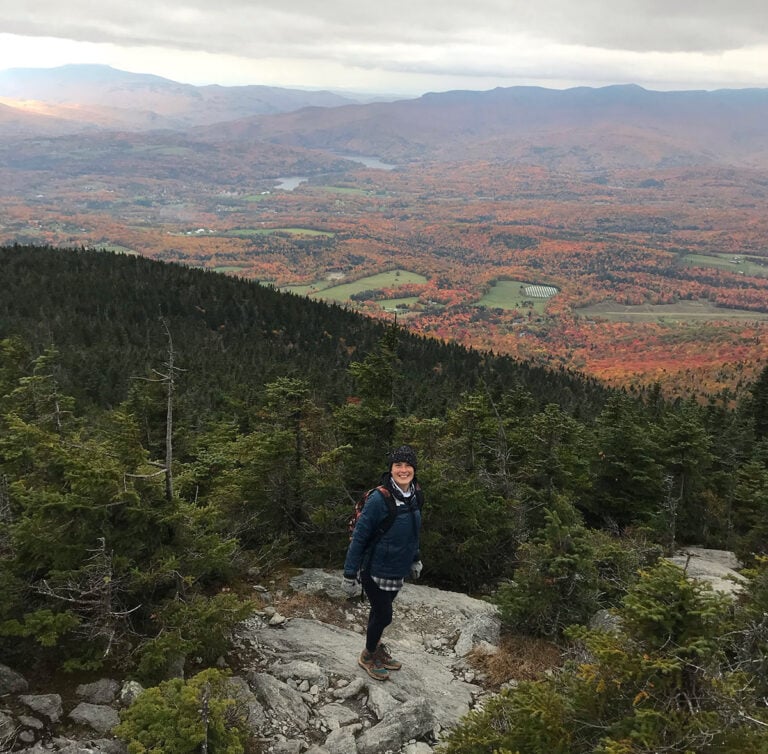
164, 430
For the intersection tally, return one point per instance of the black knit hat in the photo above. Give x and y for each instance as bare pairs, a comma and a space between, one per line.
403, 454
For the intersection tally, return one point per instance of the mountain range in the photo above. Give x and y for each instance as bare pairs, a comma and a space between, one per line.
75, 96
583, 128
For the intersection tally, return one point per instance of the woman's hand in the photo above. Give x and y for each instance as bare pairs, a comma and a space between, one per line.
350, 586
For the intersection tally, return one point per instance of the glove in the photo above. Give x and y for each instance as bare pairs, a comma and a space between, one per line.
350, 586
416, 567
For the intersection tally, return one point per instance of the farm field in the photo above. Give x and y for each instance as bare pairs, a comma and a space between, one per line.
741, 264
400, 305
246, 232
517, 294
384, 280
628, 263
685, 311
116, 249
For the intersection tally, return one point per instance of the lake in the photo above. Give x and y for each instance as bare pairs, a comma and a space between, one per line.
369, 162
290, 182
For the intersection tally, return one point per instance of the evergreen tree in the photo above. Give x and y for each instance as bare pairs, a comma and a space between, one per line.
556, 581
628, 474
687, 458
366, 424
757, 406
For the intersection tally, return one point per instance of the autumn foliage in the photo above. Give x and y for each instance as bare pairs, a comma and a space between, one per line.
629, 251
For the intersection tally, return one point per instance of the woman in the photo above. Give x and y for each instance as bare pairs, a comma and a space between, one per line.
384, 550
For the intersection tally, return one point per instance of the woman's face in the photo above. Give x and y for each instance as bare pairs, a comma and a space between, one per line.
403, 474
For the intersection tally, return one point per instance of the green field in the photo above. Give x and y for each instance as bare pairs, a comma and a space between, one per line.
114, 248
372, 282
391, 304
301, 290
229, 269
736, 263
511, 294
246, 232
685, 311
343, 190
325, 290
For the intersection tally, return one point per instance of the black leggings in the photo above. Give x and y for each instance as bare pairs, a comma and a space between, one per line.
381, 611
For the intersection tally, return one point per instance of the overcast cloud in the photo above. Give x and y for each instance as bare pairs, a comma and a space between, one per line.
409, 46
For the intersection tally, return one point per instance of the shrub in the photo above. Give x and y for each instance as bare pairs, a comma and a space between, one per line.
556, 583
178, 717
201, 626
662, 680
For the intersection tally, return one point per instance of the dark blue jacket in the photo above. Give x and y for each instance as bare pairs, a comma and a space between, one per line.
392, 554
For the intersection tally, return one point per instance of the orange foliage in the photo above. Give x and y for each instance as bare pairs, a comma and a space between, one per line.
464, 226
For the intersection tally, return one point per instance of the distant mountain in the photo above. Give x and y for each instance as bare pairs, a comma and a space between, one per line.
107, 97
21, 121
581, 128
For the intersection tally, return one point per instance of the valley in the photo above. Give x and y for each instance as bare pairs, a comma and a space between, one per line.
657, 257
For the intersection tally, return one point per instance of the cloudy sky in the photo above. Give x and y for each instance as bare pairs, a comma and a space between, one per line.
400, 46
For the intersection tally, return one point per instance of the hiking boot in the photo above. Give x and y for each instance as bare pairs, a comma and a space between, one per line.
386, 659
370, 662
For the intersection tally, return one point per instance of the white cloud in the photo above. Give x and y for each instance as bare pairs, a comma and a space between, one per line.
408, 45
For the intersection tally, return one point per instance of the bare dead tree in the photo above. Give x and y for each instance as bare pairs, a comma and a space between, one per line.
170, 385
6, 517
670, 506
93, 596
168, 379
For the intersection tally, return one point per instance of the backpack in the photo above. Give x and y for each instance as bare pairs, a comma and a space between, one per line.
391, 509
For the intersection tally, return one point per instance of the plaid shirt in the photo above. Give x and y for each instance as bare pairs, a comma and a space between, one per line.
388, 585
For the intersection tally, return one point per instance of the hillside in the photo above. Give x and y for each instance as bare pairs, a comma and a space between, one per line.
175, 444
102, 312
97, 95
585, 129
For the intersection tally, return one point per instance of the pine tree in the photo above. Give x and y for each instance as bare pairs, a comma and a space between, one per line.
627, 472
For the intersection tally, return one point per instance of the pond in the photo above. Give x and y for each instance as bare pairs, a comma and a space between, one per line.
290, 182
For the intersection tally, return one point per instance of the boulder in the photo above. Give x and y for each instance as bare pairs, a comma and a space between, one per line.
129, 691
242, 693
100, 717
342, 740
716, 567
412, 719
11, 682
280, 699
47, 705
103, 691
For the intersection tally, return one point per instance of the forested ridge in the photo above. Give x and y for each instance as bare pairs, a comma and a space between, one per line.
166, 431
102, 312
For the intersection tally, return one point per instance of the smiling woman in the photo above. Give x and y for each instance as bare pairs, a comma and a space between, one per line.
384, 549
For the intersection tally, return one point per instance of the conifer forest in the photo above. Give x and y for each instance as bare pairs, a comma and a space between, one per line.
165, 431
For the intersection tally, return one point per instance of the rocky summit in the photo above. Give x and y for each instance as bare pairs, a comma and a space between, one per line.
296, 672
